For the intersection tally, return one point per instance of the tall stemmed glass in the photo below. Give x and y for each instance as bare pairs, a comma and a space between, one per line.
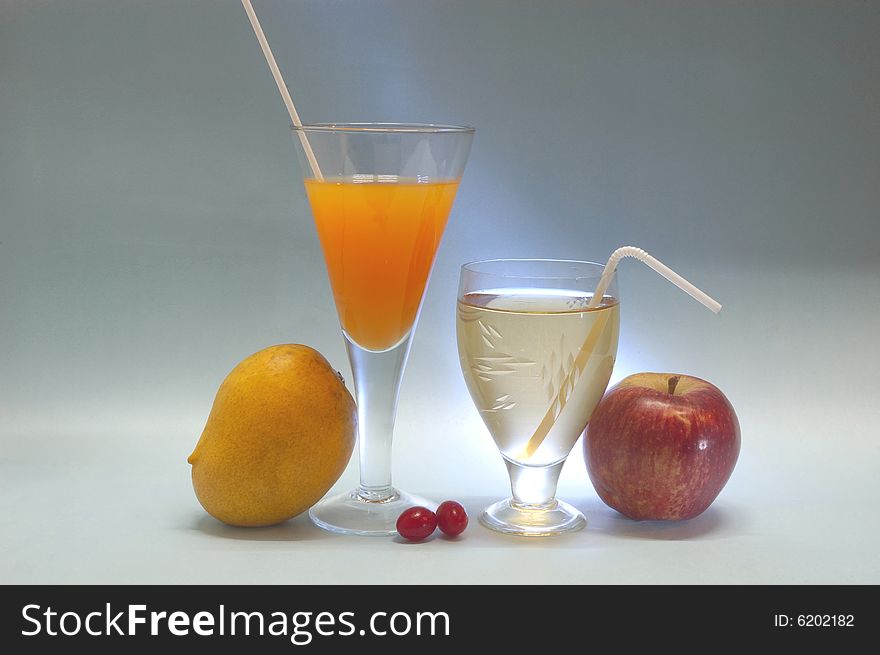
380, 196
536, 359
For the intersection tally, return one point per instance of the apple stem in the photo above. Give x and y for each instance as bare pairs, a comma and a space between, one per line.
673, 382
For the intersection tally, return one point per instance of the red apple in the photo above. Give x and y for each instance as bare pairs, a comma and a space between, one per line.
661, 446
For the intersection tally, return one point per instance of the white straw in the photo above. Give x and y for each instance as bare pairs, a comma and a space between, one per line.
282, 87
657, 265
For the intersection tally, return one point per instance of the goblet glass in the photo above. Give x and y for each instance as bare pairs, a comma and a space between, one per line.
536, 360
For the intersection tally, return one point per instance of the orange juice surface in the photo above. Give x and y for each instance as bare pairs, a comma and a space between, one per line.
379, 241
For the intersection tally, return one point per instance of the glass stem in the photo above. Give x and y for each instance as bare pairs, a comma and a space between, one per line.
534, 486
377, 377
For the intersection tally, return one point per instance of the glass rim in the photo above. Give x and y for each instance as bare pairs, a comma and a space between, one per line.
384, 128
471, 267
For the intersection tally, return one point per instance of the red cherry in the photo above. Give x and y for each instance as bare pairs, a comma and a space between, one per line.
451, 518
416, 523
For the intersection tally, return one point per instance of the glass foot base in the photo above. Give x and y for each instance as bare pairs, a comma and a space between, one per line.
349, 513
532, 521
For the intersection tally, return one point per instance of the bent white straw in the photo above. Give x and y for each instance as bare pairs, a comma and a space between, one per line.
586, 350
657, 265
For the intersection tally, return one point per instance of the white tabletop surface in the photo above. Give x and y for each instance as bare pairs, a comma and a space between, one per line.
801, 506
122, 514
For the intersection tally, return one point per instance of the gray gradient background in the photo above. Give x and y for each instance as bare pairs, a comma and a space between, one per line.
155, 232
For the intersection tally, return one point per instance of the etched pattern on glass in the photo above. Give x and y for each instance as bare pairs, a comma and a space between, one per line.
536, 363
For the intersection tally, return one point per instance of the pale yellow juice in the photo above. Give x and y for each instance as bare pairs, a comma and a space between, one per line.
536, 362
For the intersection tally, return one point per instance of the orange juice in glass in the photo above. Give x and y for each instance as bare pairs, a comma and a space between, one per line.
379, 240
380, 197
